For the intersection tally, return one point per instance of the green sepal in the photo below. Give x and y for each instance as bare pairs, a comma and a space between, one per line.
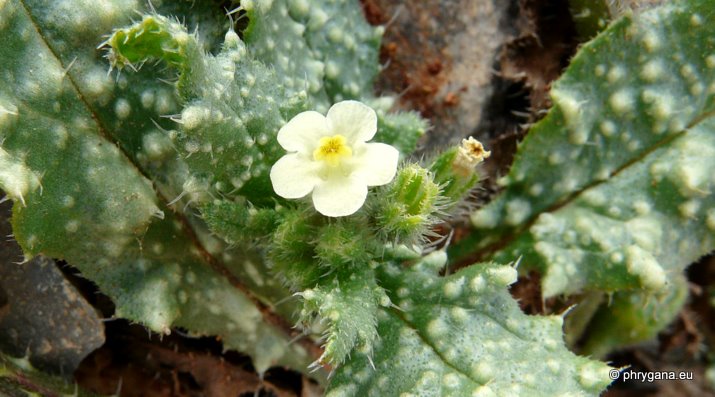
407, 208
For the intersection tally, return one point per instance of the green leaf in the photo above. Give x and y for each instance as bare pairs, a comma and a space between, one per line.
276, 38
81, 197
166, 282
349, 305
631, 317
464, 335
348, 46
131, 109
324, 47
613, 189
234, 107
57, 161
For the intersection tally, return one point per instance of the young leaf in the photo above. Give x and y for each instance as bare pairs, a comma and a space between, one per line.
349, 305
613, 189
464, 335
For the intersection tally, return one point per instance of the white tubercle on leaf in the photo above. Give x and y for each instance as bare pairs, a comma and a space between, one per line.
329, 157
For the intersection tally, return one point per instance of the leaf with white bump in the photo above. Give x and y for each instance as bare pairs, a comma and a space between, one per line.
234, 105
130, 107
56, 162
325, 48
349, 305
275, 35
171, 285
464, 335
347, 45
613, 189
78, 196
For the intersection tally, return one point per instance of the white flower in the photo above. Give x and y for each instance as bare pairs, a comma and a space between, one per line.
329, 156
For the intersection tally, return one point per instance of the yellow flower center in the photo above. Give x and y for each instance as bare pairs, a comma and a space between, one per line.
332, 149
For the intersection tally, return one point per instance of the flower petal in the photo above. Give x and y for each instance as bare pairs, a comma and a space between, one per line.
303, 132
294, 176
353, 120
375, 163
339, 196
